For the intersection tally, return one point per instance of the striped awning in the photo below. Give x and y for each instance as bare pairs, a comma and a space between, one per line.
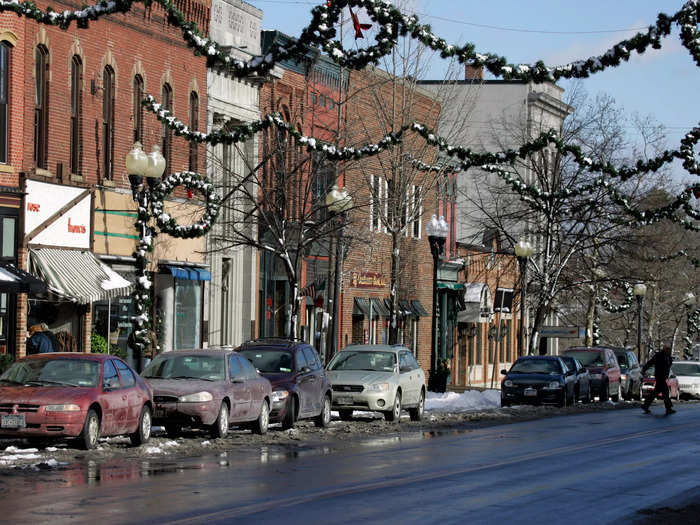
77, 275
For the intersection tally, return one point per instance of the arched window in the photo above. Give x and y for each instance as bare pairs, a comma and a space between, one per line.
194, 126
76, 115
108, 123
41, 106
4, 101
166, 133
138, 109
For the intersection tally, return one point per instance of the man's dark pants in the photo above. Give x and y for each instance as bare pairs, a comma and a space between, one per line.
659, 388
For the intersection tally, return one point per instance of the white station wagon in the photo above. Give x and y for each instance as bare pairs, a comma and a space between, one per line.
377, 378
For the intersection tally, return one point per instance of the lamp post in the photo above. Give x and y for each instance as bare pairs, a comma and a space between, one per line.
640, 290
338, 202
152, 166
523, 251
690, 302
437, 233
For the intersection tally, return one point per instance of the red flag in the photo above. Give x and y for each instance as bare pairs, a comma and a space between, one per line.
358, 26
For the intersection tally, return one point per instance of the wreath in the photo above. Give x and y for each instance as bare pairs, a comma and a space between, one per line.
193, 182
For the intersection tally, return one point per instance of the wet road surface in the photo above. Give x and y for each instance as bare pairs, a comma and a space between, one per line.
589, 468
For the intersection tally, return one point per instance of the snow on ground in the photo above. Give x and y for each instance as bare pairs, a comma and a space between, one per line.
464, 402
161, 447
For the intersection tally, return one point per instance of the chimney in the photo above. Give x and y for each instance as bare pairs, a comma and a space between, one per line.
473, 73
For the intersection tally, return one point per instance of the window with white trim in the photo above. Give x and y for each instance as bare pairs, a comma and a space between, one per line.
377, 205
417, 211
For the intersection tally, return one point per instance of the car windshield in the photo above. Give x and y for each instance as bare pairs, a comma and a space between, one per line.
587, 358
371, 361
53, 372
270, 361
536, 366
204, 367
686, 369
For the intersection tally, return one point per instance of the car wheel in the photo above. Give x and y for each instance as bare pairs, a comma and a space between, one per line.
604, 392
416, 413
324, 418
143, 432
91, 431
395, 413
263, 421
616, 397
173, 430
290, 415
345, 415
504, 403
220, 427
563, 400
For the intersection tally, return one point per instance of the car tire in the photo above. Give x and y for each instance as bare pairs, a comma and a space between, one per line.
563, 401
220, 427
604, 393
173, 430
143, 431
395, 413
504, 403
290, 415
324, 418
91, 431
616, 397
263, 422
589, 395
416, 412
345, 415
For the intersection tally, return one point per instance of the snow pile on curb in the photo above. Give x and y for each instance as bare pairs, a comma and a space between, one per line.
464, 402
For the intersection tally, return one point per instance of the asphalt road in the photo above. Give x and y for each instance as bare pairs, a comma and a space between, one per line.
589, 468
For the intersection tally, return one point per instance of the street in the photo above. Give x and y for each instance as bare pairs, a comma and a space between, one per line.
588, 468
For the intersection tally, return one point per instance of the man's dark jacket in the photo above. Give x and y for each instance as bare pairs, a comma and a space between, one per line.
39, 343
661, 361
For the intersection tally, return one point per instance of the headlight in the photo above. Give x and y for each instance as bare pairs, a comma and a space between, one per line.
199, 397
279, 395
553, 385
507, 382
623, 377
377, 387
62, 408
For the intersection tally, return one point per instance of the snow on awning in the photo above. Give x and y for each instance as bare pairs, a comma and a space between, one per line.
14, 280
478, 304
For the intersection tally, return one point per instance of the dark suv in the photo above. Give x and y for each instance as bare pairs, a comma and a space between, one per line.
300, 388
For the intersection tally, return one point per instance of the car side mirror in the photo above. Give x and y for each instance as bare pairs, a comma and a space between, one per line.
504, 371
305, 370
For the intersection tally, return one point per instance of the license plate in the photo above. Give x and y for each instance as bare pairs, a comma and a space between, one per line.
159, 412
530, 392
13, 421
344, 400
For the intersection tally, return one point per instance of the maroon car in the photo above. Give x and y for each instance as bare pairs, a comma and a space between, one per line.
76, 395
209, 389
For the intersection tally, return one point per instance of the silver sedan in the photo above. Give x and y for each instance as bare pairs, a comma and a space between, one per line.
377, 378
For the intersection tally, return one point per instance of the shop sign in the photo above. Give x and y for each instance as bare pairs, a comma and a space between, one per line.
367, 280
57, 215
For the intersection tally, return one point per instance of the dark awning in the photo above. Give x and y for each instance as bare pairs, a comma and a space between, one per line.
189, 272
380, 307
14, 280
406, 309
77, 275
418, 308
360, 306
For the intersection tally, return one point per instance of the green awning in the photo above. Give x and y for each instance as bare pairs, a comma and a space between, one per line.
447, 285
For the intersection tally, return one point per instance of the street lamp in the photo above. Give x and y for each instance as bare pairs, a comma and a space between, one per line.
338, 202
523, 251
152, 166
640, 290
437, 233
690, 302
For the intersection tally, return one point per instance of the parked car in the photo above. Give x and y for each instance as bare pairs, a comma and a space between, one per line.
631, 373
605, 371
300, 388
74, 395
649, 381
209, 389
538, 379
583, 391
688, 375
377, 378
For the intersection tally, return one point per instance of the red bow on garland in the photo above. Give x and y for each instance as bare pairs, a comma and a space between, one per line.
358, 26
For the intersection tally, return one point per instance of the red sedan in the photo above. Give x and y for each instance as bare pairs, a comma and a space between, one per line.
74, 395
648, 383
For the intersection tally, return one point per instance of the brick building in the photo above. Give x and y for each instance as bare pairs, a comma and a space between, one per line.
72, 116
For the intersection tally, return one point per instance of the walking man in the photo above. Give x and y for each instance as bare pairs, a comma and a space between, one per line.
661, 361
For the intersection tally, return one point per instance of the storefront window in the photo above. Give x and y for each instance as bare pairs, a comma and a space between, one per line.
121, 310
188, 308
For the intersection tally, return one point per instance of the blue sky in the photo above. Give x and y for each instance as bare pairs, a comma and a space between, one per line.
662, 83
